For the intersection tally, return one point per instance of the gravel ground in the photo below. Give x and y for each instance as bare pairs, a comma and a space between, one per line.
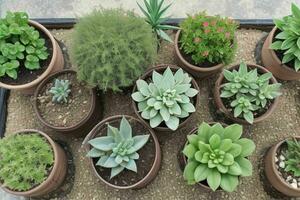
169, 183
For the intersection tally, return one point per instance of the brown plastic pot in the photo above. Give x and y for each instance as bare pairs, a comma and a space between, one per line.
272, 173
183, 159
197, 71
56, 63
273, 63
155, 166
85, 124
160, 69
57, 174
221, 107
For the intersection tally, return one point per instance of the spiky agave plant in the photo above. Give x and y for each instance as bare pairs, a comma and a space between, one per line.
118, 150
218, 155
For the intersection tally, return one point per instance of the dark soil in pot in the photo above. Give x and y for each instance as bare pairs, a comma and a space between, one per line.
144, 163
25, 75
280, 53
64, 115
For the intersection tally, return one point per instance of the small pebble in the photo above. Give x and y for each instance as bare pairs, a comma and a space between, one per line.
281, 164
294, 180
281, 157
65, 121
294, 185
276, 159
289, 178
59, 116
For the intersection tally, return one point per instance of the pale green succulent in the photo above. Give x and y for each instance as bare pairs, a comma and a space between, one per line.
60, 91
167, 98
117, 150
218, 154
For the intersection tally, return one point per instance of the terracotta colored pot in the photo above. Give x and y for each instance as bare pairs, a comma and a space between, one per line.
155, 166
182, 159
197, 71
272, 173
161, 68
57, 174
273, 63
221, 107
56, 63
85, 124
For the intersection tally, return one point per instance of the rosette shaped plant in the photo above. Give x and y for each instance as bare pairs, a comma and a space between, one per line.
217, 155
60, 91
118, 150
167, 98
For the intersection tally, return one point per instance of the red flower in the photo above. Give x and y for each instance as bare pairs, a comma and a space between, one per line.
227, 35
206, 31
205, 24
205, 53
197, 40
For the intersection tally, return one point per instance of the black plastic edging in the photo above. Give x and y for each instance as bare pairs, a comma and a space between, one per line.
3, 110
262, 24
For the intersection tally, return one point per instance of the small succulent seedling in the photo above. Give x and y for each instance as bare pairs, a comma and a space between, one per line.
154, 14
25, 161
117, 150
166, 99
218, 155
292, 155
60, 91
288, 40
248, 91
19, 43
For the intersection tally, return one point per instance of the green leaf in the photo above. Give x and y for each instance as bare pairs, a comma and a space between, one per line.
193, 139
225, 145
189, 170
102, 143
125, 129
247, 145
249, 117
32, 65
188, 107
295, 11
165, 113
139, 142
95, 153
173, 123
286, 44
164, 36
298, 42
282, 35
115, 171
189, 150
214, 141
276, 45
229, 182
131, 165
297, 64
235, 150
201, 172
245, 165
204, 131
155, 121
228, 75
233, 132
228, 159
12, 74
138, 97
287, 58
223, 169
191, 92
142, 86
235, 169
214, 179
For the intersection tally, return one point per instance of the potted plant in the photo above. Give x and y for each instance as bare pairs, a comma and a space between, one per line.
28, 53
282, 166
215, 156
164, 97
205, 43
31, 164
122, 47
154, 13
246, 93
127, 157
64, 104
281, 50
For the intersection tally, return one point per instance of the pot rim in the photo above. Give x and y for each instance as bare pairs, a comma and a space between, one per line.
223, 109
60, 128
273, 54
157, 153
55, 165
191, 66
40, 27
276, 147
148, 73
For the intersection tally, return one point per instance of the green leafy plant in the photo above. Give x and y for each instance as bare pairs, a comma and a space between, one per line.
112, 48
167, 98
292, 155
154, 14
60, 91
19, 43
288, 40
217, 155
208, 38
248, 91
118, 150
25, 161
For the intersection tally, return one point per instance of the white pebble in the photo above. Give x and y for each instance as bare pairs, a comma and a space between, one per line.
294, 180
281, 157
281, 164
294, 185
298, 184
276, 159
289, 178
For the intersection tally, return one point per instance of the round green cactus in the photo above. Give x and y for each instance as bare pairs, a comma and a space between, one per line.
217, 155
112, 48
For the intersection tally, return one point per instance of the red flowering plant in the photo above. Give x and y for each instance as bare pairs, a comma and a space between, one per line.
208, 38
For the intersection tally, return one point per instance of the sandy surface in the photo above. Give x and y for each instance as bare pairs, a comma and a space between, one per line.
169, 183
